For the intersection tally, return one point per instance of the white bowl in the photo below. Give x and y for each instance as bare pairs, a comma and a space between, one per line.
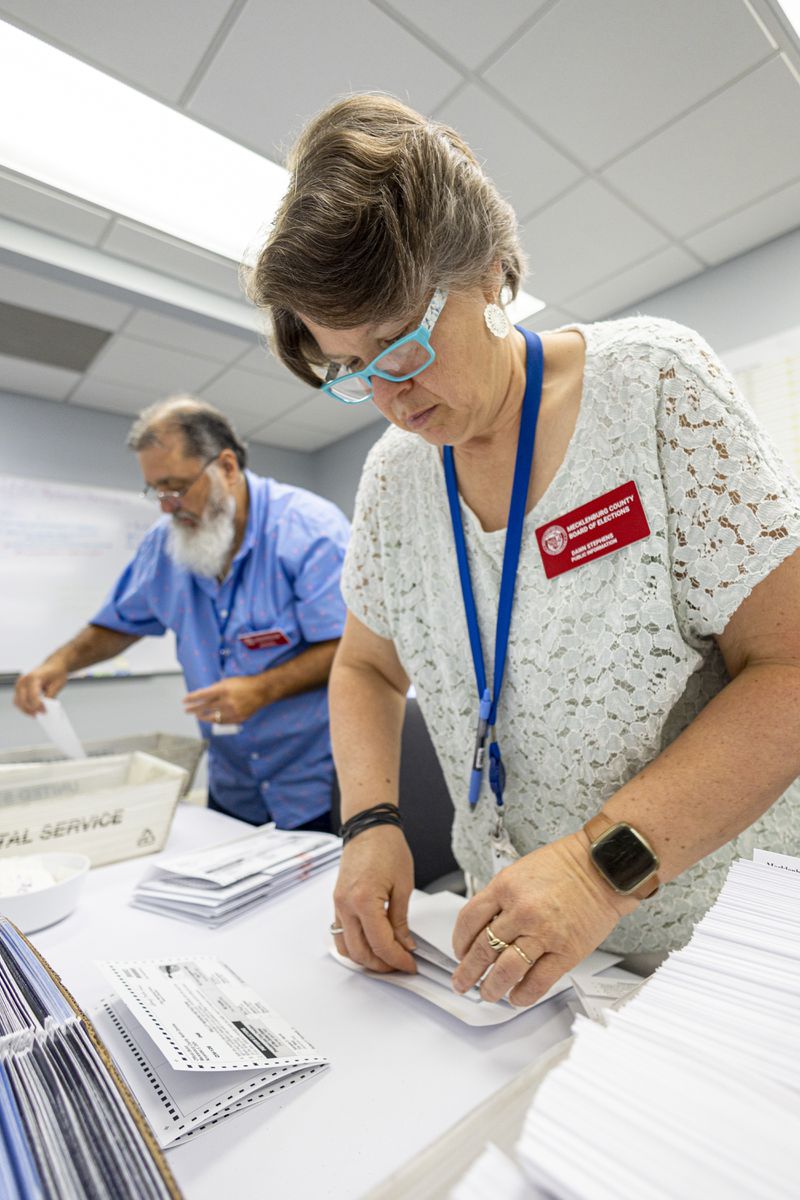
44, 906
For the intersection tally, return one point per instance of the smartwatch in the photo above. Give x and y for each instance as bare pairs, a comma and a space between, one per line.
623, 856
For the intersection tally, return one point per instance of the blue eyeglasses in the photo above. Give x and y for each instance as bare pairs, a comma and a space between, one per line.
404, 359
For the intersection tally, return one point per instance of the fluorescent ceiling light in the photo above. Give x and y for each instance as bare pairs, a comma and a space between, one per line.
523, 306
89, 135
791, 10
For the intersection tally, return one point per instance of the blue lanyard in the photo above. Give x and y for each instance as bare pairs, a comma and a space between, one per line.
488, 701
224, 651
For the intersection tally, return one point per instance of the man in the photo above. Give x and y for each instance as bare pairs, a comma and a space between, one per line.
245, 570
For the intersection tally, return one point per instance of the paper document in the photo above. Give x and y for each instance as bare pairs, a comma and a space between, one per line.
65, 1126
58, 727
431, 919
216, 884
701, 1068
196, 1044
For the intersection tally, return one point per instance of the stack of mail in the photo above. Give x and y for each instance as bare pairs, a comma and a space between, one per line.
67, 1129
693, 1088
222, 882
196, 1044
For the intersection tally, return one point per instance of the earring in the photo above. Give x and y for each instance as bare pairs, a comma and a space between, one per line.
496, 320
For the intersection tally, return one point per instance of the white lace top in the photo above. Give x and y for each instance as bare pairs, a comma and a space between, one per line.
606, 663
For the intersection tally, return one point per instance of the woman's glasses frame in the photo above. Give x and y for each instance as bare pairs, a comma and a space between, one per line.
421, 335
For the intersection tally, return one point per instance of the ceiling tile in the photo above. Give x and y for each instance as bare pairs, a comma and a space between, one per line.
470, 30
34, 204
583, 238
263, 98
142, 364
725, 154
256, 396
293, 437
660, 271
261, 359
113, 397
190, 336
35, 379
60, 299
173, 257
153, 45
762, 221
599, 77
524, 167
323, 413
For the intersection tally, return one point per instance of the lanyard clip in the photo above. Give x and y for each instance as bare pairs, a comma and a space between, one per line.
479, 754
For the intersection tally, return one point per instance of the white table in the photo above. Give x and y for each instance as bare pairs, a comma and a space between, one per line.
402, 1072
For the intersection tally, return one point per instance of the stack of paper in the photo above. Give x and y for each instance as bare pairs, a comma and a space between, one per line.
196, 1044
66, 1127
431, 919
222, 882
692, 1088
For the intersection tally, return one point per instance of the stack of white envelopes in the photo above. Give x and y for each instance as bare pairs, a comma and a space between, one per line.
68, 1128
196, 1044
217, 884
693, 1087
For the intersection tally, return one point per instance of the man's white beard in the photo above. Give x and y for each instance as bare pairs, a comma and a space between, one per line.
204, 548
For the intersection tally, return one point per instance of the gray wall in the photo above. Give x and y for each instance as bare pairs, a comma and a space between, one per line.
744, 299
337, 468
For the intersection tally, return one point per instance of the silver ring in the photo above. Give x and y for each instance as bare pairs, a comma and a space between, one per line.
217, 716
336, 928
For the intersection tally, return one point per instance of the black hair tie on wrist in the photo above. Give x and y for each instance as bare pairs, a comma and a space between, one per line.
379, 814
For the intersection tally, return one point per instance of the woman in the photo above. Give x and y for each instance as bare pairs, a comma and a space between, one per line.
648, 720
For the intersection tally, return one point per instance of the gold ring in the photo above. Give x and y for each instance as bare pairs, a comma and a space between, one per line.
336, 928
495, 942
522, 953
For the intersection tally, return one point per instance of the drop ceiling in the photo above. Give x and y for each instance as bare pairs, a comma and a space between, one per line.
639, 142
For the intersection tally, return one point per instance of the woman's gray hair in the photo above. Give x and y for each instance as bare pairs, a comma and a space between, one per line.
383, 206
205, 431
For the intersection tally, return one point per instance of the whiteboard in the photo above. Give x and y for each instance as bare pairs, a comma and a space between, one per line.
62, 546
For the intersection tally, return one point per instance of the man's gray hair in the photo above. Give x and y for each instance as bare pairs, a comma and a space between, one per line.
205, 431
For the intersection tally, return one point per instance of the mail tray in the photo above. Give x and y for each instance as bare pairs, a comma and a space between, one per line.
183, 751
107, 808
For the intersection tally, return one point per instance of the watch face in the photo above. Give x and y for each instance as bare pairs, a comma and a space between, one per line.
624, 858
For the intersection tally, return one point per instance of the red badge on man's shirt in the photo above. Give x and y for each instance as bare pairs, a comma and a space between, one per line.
264, 638
593, 530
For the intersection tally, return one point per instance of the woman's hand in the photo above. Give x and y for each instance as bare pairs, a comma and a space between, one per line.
376, 878
552, 905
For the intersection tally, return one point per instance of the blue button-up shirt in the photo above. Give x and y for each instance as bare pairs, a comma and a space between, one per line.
285, 576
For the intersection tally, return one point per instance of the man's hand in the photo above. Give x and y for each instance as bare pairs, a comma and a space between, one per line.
45, 680
551, 908
229, 702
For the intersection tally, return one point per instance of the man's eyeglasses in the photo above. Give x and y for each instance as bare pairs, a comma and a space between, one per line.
404, 359
174, 497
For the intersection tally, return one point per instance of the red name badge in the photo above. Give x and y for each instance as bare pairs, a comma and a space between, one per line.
593, 530
264, 638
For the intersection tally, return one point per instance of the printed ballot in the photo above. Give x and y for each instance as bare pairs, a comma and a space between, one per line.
195, 1044
431, 919
222, 882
